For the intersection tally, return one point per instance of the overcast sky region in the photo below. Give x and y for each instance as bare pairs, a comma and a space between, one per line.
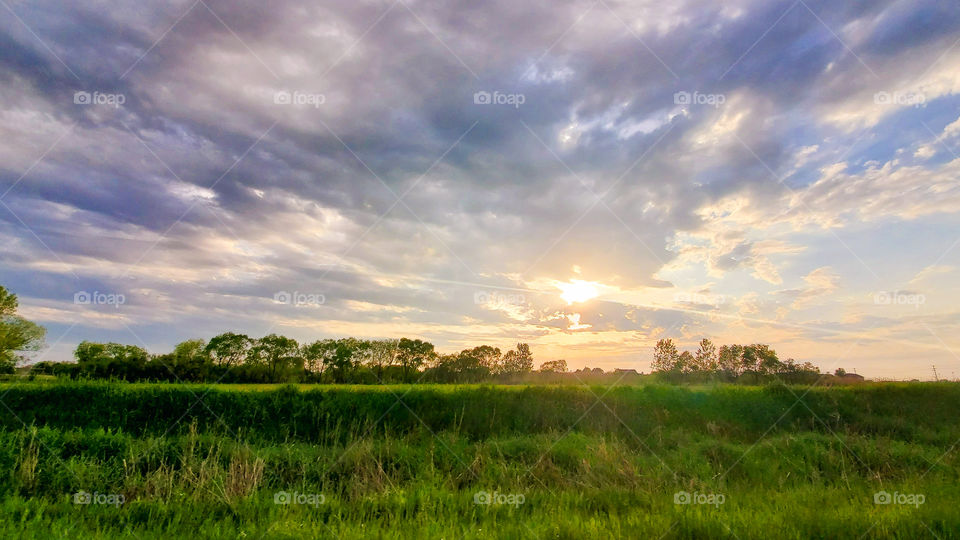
586, 176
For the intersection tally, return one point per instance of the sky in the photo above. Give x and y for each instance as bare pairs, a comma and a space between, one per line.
587, 177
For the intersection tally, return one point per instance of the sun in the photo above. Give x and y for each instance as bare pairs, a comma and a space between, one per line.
578, 290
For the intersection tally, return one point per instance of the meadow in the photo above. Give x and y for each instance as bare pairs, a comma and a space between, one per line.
126, 460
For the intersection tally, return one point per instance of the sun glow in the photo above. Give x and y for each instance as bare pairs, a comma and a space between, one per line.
578, 291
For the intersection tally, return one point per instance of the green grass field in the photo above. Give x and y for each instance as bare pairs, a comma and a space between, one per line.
178, 461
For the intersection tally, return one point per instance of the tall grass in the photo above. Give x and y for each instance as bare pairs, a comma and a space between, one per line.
900, 411
410, 468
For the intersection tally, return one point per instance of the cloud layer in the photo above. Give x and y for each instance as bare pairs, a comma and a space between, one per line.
757, 171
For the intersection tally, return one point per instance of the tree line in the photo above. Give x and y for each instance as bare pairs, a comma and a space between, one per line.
231, 357
728, 362
237, 358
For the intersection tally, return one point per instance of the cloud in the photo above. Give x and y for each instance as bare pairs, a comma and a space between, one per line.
398, 197
819, 283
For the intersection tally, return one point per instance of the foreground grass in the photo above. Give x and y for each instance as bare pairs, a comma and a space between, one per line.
408, 462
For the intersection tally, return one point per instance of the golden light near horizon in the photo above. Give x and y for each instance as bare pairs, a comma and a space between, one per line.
578, 290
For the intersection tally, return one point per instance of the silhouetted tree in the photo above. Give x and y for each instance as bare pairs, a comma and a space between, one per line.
516, 362
313, 356
411, 354
381, 354
729, 359
554, 366
340, 357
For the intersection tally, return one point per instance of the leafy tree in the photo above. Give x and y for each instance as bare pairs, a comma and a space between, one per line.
508, 359
729, 359
18, 336
8, 302
840, 372
104, 360
228, 349
759, 358
277, 353
339, 357
190, 353
411, 354
446, 368
686, 363
791, 366
477, 363
665, 356
554, 366
88, 353
313, 356
705, 358
381, 353
484, 355
189, 361
809, 367
517, 362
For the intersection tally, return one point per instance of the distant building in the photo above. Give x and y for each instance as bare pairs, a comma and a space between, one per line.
623, 371
852, 377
